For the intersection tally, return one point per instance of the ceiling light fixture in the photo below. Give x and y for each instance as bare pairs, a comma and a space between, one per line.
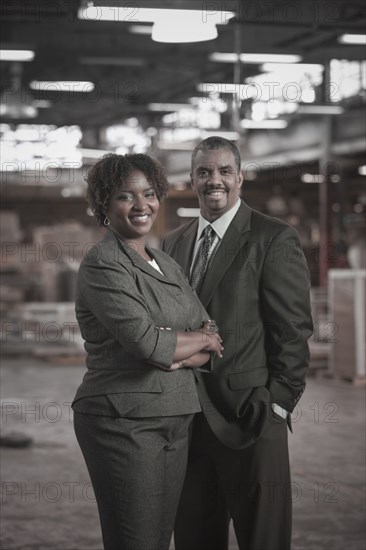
61, 86
181, 26
298, 67
243, 91
131, 14
320, 110
166, 107
312, 178
362, 170
140, 29
255, 58
353, 39
169, 25
16, 55
277, 124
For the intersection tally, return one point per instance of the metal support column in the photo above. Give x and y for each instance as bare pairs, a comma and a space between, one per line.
325, 242
237, 77
325, 213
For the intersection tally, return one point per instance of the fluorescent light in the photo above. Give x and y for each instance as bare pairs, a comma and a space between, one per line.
131, 14
312, 178
320, 109
140, 29
16, 55
61, 86
170, 25
244, 91
298, 67
255, 58
265, 57
362, 170
183, 29
354, 39
277, 124
184, 26
224, 57
168, 106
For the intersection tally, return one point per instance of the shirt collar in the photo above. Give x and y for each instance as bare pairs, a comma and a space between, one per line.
221, 224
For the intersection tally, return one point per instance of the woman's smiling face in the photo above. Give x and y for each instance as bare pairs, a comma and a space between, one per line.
132, 209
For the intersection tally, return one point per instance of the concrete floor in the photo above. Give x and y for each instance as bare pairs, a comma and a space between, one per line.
48, 504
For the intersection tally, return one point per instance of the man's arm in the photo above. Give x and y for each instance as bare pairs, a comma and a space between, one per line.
285, 298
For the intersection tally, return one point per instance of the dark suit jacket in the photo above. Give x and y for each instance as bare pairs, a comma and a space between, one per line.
121, 301
257, 290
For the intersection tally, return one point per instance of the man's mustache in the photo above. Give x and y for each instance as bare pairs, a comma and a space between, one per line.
214, 188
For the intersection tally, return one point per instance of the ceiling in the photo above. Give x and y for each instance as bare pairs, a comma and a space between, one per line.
132, 71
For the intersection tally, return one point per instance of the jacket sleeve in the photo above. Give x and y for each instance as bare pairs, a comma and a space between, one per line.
109, 290
285, 298
207, 367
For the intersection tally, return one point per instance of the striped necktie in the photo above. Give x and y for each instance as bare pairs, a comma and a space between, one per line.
199, 269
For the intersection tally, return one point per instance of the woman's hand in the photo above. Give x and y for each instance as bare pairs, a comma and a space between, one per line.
197, 360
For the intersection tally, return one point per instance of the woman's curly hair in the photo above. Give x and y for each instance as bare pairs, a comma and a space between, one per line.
111, 172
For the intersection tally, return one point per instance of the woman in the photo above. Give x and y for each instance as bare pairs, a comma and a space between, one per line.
144, 332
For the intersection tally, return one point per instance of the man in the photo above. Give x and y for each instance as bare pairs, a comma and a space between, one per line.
251, 275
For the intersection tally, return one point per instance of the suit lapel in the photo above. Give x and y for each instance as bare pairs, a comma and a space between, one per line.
184, 247
142, 264
167, 266
234, 239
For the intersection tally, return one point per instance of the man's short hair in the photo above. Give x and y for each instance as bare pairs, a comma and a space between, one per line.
216, 142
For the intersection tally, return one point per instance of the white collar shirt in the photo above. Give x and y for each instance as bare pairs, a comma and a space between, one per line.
220, 227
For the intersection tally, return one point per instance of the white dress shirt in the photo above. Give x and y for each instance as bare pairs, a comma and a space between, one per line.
155, 265
220, 227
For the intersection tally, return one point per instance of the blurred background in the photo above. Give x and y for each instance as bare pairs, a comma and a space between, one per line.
286, 81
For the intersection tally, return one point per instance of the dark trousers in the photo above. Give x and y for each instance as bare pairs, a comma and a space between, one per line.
252, 486
137, 468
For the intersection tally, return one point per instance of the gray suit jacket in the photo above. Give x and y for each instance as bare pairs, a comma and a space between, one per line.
257, 290
121, 301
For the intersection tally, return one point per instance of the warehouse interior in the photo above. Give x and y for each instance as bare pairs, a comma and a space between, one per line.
286, 81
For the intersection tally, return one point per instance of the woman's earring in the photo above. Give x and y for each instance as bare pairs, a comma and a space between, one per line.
106, 221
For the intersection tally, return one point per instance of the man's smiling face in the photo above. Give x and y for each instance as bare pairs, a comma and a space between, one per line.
217, 182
